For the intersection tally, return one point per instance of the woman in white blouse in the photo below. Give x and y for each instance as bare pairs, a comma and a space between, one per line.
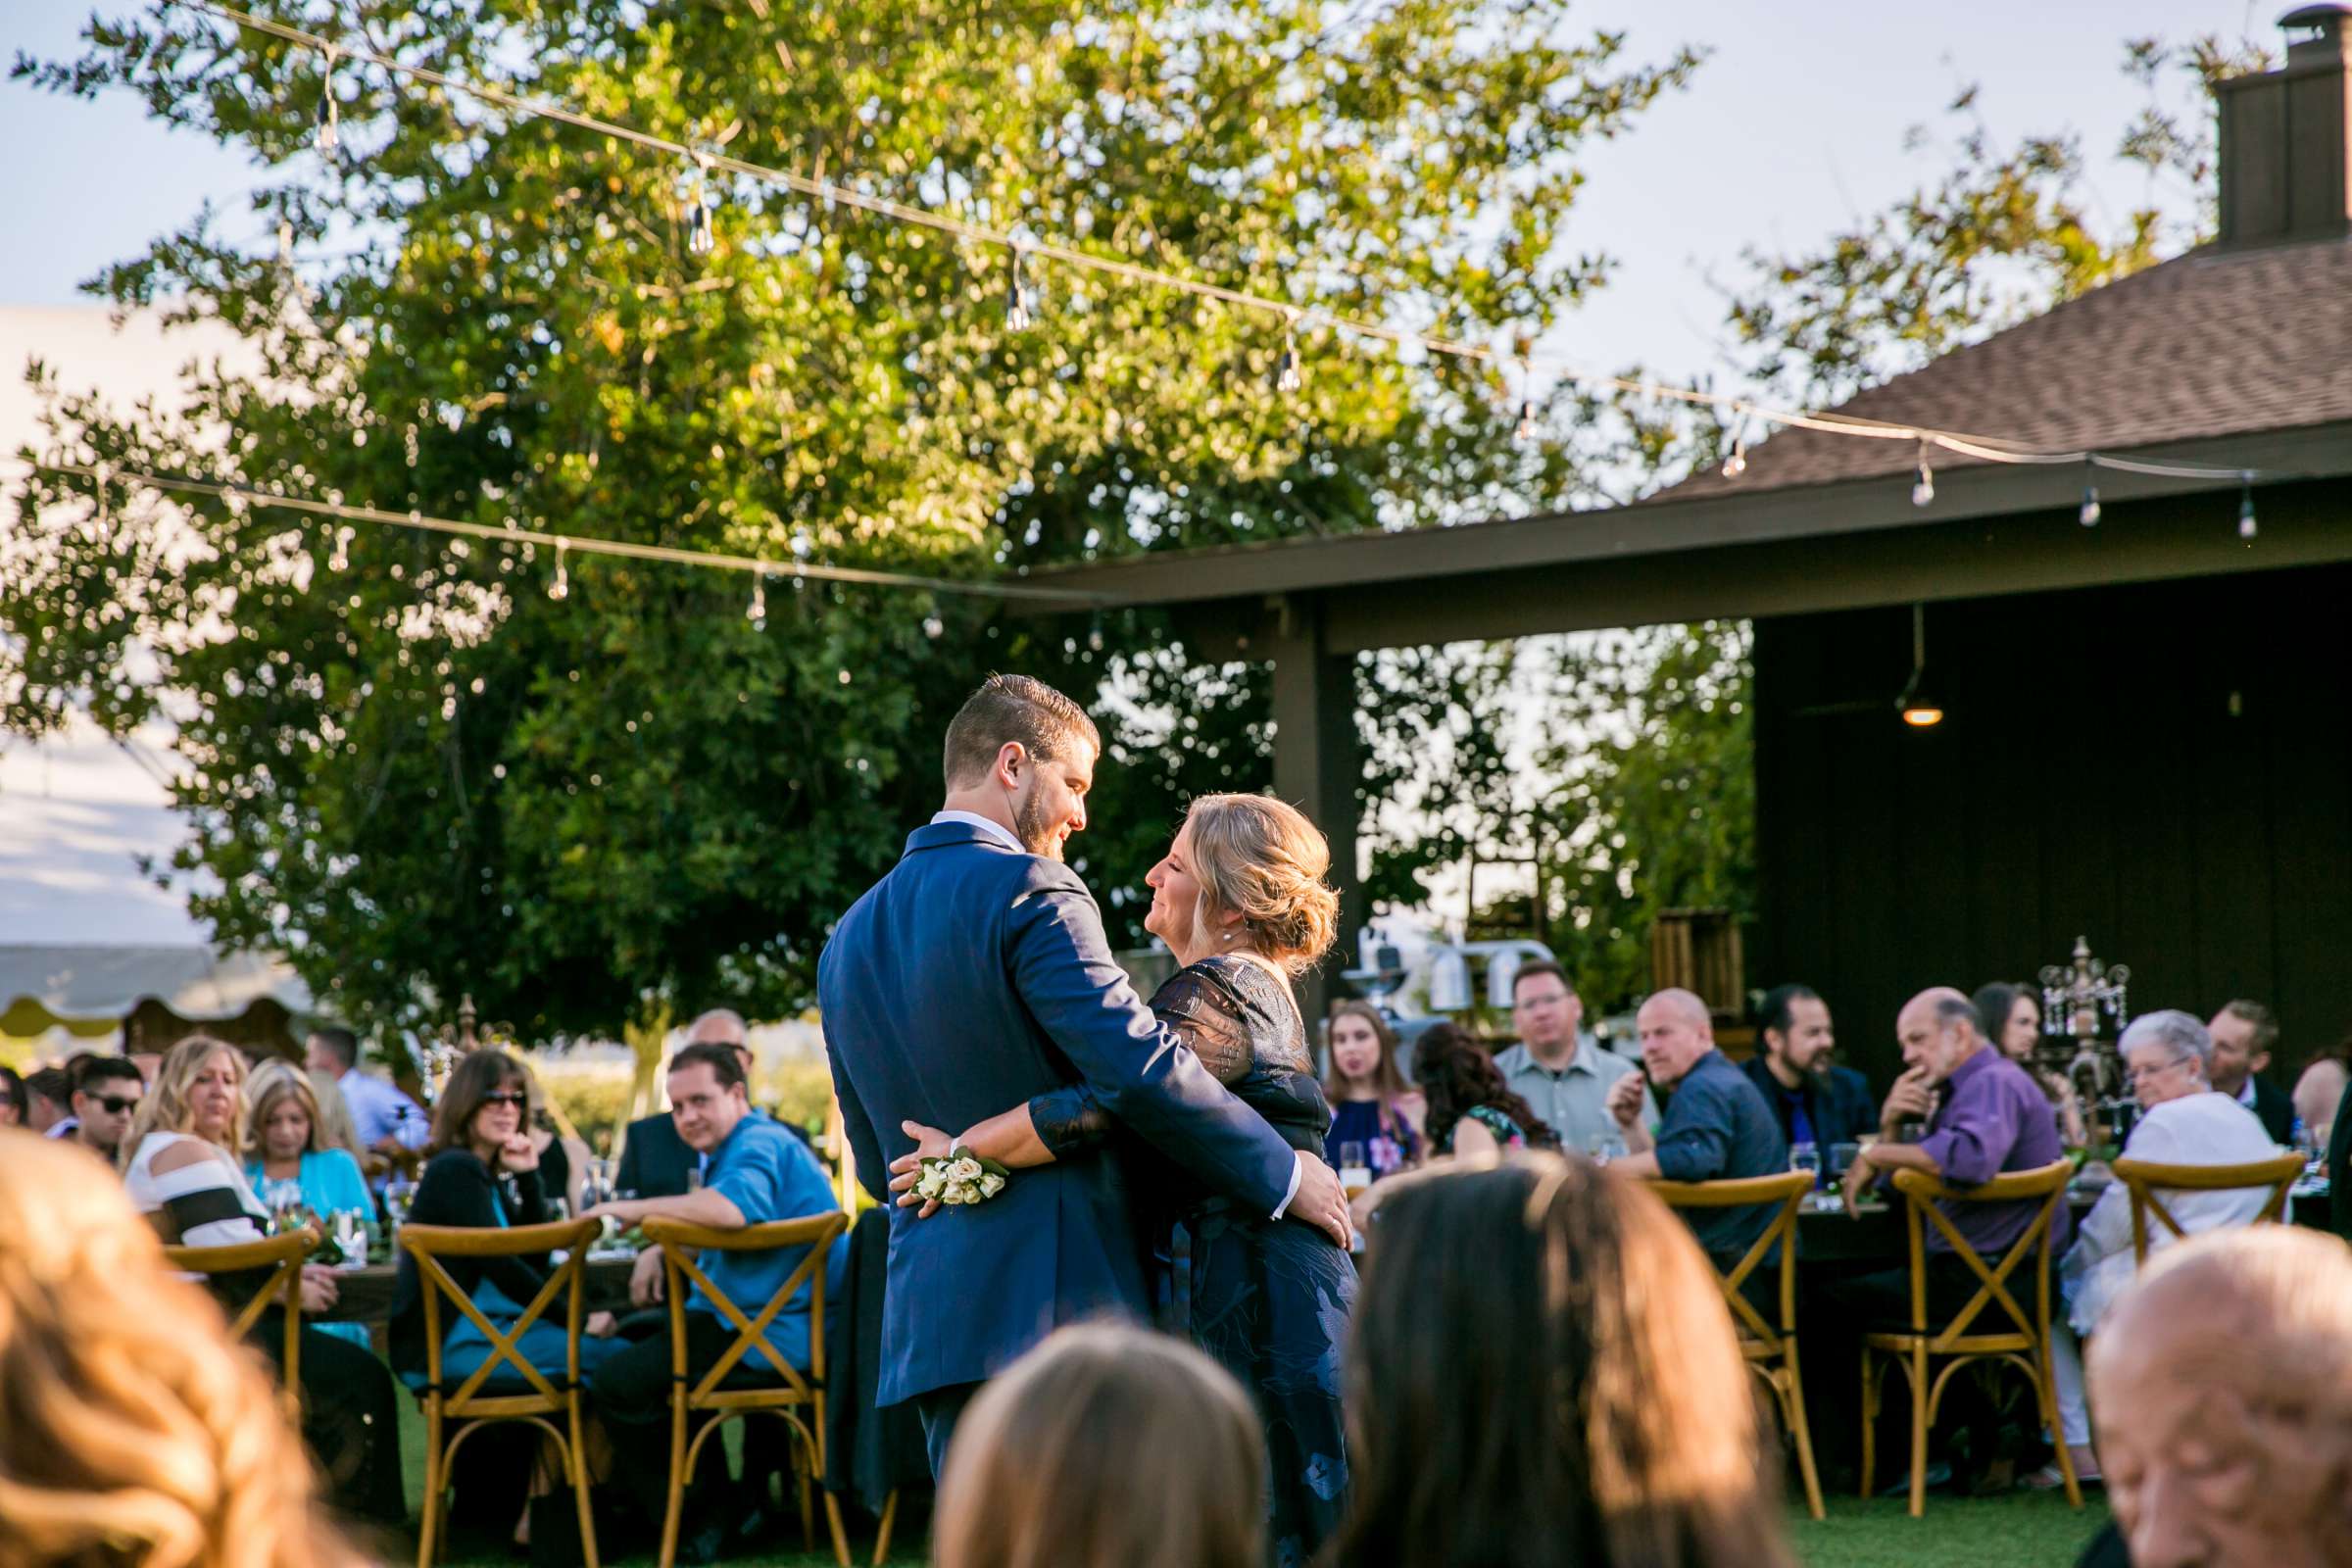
2167, 1057
186, 1172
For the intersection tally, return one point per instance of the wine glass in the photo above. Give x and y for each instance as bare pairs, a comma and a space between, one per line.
1355, 1172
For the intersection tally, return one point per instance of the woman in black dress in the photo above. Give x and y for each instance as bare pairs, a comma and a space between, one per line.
1240, 900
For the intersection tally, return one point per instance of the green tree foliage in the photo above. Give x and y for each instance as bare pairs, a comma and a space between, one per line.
420, 773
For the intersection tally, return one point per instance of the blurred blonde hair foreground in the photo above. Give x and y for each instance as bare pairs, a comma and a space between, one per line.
131, 1430
1107, 1447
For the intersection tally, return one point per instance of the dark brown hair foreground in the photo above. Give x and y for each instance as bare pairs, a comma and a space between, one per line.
132, 1429
1543, 1375
1106, 1447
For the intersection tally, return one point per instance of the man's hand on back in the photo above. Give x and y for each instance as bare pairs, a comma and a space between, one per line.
1322, 1200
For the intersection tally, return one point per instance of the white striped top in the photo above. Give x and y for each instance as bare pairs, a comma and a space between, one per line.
210, 1202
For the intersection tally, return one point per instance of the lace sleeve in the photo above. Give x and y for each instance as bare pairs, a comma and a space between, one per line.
1210, 1020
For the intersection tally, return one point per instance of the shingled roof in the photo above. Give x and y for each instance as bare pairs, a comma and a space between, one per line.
2214, 343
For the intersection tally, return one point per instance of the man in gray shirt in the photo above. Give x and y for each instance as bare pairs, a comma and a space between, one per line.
1562, 1074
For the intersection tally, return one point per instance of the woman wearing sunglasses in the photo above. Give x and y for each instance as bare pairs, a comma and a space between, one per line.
482, 1170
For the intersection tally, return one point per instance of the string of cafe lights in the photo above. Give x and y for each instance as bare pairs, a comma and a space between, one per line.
1022, 298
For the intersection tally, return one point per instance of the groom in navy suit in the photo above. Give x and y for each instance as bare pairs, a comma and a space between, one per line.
976, 976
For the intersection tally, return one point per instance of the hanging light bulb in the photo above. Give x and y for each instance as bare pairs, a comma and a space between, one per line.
699, 239
330, 136
1017, 316
1736, 464
339, 558
1287, 377
561, 588
934, 627
1526, 431
2246, 505
1923, 482
1527, 420
2089, 517
757, 612
98, 478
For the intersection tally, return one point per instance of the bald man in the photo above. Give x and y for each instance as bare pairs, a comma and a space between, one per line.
1717, 1127
2223, 1388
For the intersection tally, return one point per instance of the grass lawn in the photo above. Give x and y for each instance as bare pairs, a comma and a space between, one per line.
2018, 1531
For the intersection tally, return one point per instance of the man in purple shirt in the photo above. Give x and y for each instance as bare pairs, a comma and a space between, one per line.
1992, 1119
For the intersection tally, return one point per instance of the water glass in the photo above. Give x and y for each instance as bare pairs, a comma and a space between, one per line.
1807, 1159
1602, 1148
351, 1238
1356, 1173
1843, 1157
693, 1180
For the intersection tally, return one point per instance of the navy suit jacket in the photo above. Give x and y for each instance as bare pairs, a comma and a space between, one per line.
969, 980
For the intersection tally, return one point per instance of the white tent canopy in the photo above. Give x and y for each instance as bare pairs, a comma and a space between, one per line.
98, 982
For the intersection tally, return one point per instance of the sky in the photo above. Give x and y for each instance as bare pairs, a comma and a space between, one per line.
1793, 127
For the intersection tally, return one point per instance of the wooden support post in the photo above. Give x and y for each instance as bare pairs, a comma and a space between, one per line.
1317, 764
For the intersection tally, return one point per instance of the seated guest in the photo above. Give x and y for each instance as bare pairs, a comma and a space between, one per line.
563, 1157
1717, 1125
2011, 1019
2318, 1090
2224, 1385
186, 1173
1816, 1102
14, 1109
283, 1148
1043, 1470
1471, 1110
107, 1091
1560, 1071
2183, 1123
1541, 1374
757, 1172
336, 1128
385, 1119
49, 1096
134, 1433
483, 1173
2245, 1033
654, 1161
1990, 1118
1370, 1103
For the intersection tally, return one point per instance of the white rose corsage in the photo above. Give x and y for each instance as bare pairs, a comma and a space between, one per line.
958, 1178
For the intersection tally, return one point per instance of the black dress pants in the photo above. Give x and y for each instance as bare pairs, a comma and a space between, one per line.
630, 1393
350, 1420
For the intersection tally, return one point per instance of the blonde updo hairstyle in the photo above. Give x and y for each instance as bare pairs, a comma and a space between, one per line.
132, 1428
1262, 860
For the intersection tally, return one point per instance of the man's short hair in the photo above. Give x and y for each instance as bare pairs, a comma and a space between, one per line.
53, 1084
720, 1059
1778, 1011
2264, 1020
1535, 967
340, 1041
91, 1071
1957, 1008
1013, 707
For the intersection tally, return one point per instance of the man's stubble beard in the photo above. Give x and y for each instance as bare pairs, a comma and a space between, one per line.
1031, 826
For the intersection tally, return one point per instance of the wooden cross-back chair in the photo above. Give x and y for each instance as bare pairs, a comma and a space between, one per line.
490, 1395
2014, 1333
2146, 1181
1769, 1347
283, 1255
782, 1390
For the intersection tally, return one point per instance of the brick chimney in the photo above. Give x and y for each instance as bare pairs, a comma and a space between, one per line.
2287, 173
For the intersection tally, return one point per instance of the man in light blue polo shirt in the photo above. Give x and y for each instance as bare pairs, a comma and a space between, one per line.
1564, 1076
757, 1172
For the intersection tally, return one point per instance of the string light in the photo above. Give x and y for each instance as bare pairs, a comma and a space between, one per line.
934, 627
757, 613
700, 240
1287, 378
106, 514
561, 588
1923, 481
1985, 447
1018, 318
2089, 517
330, 137
2246, 505
1736, 464
337, 559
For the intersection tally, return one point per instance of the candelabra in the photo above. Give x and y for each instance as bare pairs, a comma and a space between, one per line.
2073, 998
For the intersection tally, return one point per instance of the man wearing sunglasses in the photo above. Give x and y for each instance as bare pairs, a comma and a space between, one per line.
107, 1091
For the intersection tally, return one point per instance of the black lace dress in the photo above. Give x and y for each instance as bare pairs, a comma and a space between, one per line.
1268, 1298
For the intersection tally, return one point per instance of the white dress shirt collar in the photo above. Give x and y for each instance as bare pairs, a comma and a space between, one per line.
987, 826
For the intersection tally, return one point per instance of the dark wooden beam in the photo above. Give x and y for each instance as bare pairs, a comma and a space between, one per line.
1316, 764
1820, 517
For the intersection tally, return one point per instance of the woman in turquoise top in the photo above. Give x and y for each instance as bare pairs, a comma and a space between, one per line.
282, 1128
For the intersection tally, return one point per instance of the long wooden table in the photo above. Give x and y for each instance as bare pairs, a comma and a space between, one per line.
364, 1294
1877, 1236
